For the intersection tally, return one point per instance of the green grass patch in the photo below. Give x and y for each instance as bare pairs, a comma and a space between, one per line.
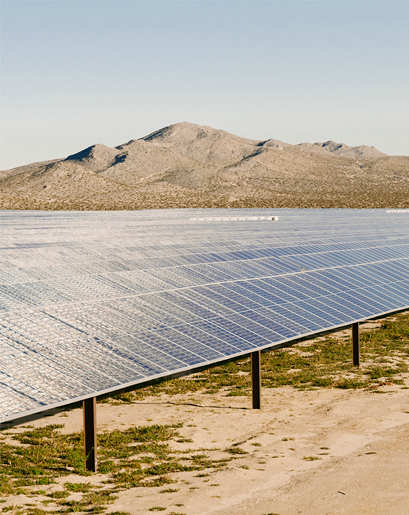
134, 457
236, 450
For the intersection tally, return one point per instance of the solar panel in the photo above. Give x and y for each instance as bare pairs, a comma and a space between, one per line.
92, 302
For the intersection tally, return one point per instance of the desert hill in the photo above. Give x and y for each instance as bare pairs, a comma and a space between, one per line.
360, 152
189, 165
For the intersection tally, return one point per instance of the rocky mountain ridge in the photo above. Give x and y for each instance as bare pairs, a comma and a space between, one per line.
189, 165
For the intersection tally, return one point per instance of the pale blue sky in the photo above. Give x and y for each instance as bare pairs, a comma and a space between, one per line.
75, 73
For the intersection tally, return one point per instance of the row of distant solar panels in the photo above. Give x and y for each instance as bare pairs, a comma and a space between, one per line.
274, 290
233, 218
115, 258
64, 284
126, 250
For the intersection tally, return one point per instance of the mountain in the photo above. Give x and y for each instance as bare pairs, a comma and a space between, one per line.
189, 165
360, 152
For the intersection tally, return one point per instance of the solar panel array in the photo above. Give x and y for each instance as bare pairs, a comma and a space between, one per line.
94, 301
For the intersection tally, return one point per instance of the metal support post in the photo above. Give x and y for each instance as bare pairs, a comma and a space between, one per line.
355, 344
256, 379
90, 433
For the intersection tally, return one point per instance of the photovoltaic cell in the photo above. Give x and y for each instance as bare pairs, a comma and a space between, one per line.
92, 302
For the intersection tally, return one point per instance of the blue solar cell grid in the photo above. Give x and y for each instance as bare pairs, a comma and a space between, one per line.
94, 301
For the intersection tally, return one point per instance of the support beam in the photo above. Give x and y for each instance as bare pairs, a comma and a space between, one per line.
256, 379
90, 433
355, 344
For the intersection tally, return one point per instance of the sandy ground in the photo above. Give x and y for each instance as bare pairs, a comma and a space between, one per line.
361, 440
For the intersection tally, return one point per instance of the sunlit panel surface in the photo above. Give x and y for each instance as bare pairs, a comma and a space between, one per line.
93, 301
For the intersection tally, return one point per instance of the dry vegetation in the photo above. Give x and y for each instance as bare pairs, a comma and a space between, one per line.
191, 166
